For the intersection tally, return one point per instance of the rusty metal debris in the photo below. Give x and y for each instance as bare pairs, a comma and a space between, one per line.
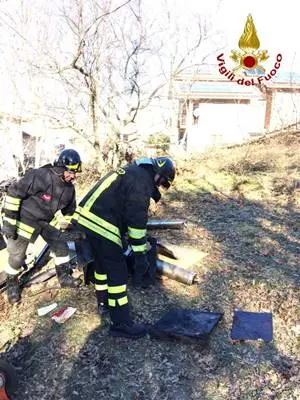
42, 277
164, 251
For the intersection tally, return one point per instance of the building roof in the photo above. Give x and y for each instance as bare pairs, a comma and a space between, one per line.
286, 77
207, 85
216, 89
281, 76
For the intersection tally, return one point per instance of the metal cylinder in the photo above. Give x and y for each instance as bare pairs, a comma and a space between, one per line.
174, 272
164, 224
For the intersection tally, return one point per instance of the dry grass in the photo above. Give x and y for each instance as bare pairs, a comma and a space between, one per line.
243, 226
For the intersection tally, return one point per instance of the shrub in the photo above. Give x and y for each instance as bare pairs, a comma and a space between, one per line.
160, 141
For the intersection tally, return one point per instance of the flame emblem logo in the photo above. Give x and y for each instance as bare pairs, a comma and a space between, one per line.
250, 58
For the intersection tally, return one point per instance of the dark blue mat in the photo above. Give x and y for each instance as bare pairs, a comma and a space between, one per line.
252, 326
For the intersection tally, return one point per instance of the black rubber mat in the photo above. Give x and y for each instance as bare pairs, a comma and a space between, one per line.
186, 325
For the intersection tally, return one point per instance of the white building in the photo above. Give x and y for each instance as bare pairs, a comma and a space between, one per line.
214, 111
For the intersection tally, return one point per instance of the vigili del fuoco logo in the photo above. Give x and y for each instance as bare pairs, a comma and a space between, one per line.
249, 61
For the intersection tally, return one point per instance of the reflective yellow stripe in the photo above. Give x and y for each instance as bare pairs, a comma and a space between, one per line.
12, 207
12, 200
101, 287
26, 235
116, 289
161, 163
95, 228
68, 218
25, 227
136, 233
22, 229
19, 224
122, 301
74, 166
104, 185
10, 220
141, 247
100, 277
112, 302
99, 221
75, 216
54, 222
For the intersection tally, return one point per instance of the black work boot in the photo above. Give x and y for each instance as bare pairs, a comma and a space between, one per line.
65, 277
13, 289
128, 330
141, 281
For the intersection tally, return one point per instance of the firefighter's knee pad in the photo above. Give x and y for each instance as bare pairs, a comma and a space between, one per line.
16, 261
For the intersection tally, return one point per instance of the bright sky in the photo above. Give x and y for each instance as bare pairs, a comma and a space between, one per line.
277, 25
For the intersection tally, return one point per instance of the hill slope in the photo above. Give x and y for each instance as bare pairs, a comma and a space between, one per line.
241, 208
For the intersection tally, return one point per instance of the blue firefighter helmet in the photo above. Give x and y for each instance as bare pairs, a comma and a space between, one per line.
70, 160
163, 166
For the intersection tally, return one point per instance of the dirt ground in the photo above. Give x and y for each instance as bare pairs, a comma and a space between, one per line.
242, 237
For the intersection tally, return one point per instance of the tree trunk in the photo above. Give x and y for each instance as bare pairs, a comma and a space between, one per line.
99, 163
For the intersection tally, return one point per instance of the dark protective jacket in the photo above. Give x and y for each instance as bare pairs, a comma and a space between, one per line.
118, 204
32, 202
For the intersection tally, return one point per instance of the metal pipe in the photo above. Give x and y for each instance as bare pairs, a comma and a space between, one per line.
164, 224
40, 256
26, 275
177, 273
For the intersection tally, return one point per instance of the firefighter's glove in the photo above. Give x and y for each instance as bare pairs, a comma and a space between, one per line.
9, 230
140, 277
72, 235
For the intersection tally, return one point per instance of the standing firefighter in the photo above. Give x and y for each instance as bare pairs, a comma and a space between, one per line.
29, 209
118, 204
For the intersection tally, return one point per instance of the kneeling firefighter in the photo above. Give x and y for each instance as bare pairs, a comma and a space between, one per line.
29, 209
118, 205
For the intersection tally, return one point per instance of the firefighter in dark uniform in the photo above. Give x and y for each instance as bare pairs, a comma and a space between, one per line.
118, 205
29, 209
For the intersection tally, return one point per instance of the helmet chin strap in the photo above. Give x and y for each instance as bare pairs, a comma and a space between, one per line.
162, 182
157, 179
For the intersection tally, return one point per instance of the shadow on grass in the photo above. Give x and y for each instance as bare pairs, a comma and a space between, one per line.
262, 262
257, 238
256, 271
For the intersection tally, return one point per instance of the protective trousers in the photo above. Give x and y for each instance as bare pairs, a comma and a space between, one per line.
17, 252
110, 273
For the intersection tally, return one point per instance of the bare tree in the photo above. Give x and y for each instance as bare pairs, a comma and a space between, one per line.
94, 66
